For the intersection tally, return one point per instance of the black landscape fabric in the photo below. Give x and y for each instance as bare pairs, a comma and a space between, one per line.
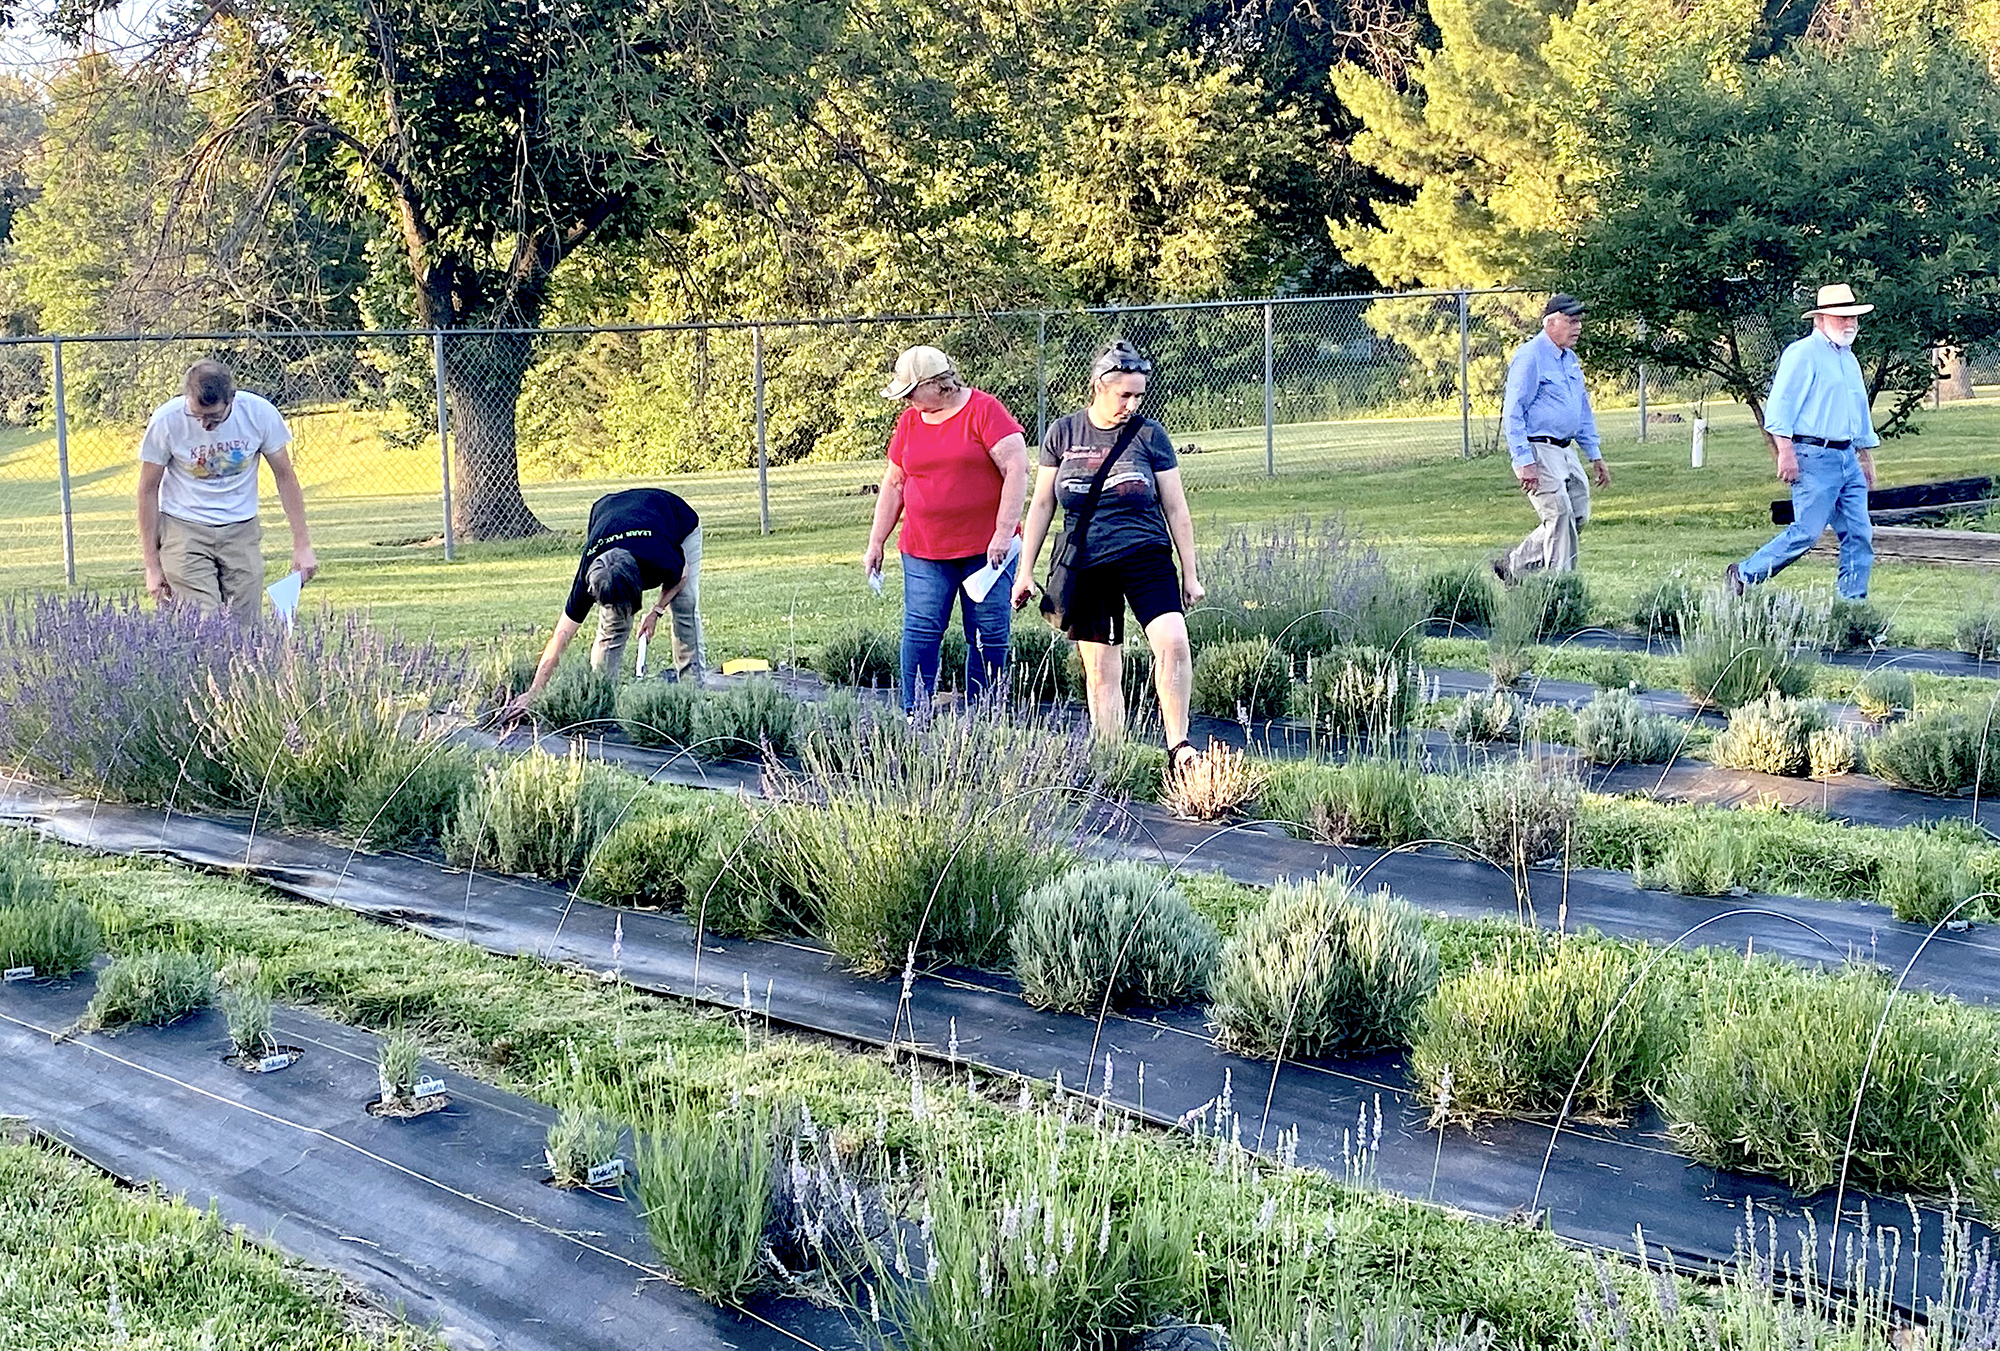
1599, 1185
444, 1217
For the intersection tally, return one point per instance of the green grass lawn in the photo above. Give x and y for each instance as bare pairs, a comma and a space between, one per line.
1398, 481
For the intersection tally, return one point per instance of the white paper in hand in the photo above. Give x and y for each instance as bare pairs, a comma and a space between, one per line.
284, 594
640, 673
981, 582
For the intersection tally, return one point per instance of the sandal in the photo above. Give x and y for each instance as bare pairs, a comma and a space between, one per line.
1176, 766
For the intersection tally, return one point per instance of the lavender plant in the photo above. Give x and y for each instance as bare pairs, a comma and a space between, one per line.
929, 833
1309, 586
1246, 681
57, 937
151, 987
1322, 970
542, 814
705, 1188
1111, 930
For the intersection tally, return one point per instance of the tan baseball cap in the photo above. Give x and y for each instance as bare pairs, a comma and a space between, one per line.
914, 366
1838, 299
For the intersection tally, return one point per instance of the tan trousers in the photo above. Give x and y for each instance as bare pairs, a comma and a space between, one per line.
215, 566
684, 611
1562, 500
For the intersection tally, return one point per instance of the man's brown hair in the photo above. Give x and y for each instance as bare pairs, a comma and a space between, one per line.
210, 384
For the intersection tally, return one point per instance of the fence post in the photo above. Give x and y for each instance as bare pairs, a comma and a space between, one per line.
1270, 401
1464, 379
763, 459
1041, 376
1642, 387
62, 468
444, 440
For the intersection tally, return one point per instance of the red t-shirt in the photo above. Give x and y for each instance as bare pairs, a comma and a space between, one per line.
951, 487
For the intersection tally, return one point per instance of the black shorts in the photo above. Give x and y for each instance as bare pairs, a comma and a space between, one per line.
1145, 577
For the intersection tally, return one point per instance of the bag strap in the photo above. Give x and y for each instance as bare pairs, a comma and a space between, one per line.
1079, 526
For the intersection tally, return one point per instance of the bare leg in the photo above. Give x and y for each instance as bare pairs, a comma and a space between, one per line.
1103, 677
1173, 672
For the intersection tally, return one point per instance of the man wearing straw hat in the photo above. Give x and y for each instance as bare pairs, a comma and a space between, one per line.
1817, 420
1546, 416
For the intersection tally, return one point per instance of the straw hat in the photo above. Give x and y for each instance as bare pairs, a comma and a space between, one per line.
1838, 299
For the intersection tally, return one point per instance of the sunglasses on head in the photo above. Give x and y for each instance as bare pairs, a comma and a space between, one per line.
1129, 366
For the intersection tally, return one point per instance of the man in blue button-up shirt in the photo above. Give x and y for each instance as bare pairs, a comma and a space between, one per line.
1546, 417
1817, 417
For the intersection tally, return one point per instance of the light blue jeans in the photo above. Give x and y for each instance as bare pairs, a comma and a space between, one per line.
929, 588
1830, 491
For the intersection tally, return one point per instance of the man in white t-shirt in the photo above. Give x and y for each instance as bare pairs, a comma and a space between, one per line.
198, 530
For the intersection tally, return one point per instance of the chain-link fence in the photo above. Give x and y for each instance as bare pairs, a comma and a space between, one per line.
411, 440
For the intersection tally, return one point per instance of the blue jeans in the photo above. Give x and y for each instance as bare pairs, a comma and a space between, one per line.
1830, 491
929, 587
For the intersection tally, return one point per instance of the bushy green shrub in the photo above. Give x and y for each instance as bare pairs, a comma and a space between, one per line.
1554, 603
860, 656
1705, 858
1515, 812
742, 882
578, 698
658, 712
1978, 634
1110, 928
1321, 969
1510, 643
1545, 1018
1612, 670
1833, 751
56, 937
1667, 610
1770, 1080
541, 814
1770, 735
151, 988
1884, 693
245, 997
1363, 692
1039, 670
744, 720
1744, 647
1946, 752
24, 872
1461, 595
1923, 878
1495, 715
409, 796
581, 1137
1309, 587
1129, 770
1378, 800
1249, 681
1854, 624
1613, 729
648, 862
704, 1187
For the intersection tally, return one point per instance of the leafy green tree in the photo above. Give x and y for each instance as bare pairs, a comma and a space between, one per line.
494, 140
1724, 197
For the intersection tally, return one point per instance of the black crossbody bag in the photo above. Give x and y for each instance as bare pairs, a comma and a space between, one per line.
1059, 596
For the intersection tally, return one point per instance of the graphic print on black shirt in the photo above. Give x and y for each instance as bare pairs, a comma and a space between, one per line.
649, 524
1128, 514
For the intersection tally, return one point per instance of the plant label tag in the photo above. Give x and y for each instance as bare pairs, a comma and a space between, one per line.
281, 1060
427, 1088
605, 1173
15, 973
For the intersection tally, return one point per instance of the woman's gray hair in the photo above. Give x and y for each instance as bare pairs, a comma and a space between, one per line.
612, 579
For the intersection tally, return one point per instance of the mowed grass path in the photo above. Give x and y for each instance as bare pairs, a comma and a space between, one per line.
1400, 483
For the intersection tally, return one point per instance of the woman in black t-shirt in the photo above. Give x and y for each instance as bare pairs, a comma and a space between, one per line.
1140, 524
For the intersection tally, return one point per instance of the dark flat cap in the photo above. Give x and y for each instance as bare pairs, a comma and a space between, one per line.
1561, 303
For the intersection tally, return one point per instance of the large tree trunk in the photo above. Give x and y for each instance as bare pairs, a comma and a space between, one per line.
1954, 375
482, 381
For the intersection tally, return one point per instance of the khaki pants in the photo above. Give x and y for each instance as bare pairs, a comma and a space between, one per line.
684, 612
215, 566
1562, 500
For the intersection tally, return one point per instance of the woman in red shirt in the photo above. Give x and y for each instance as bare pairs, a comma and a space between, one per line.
957, 478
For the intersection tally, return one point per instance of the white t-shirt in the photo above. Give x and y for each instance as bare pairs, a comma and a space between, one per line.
211, 476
